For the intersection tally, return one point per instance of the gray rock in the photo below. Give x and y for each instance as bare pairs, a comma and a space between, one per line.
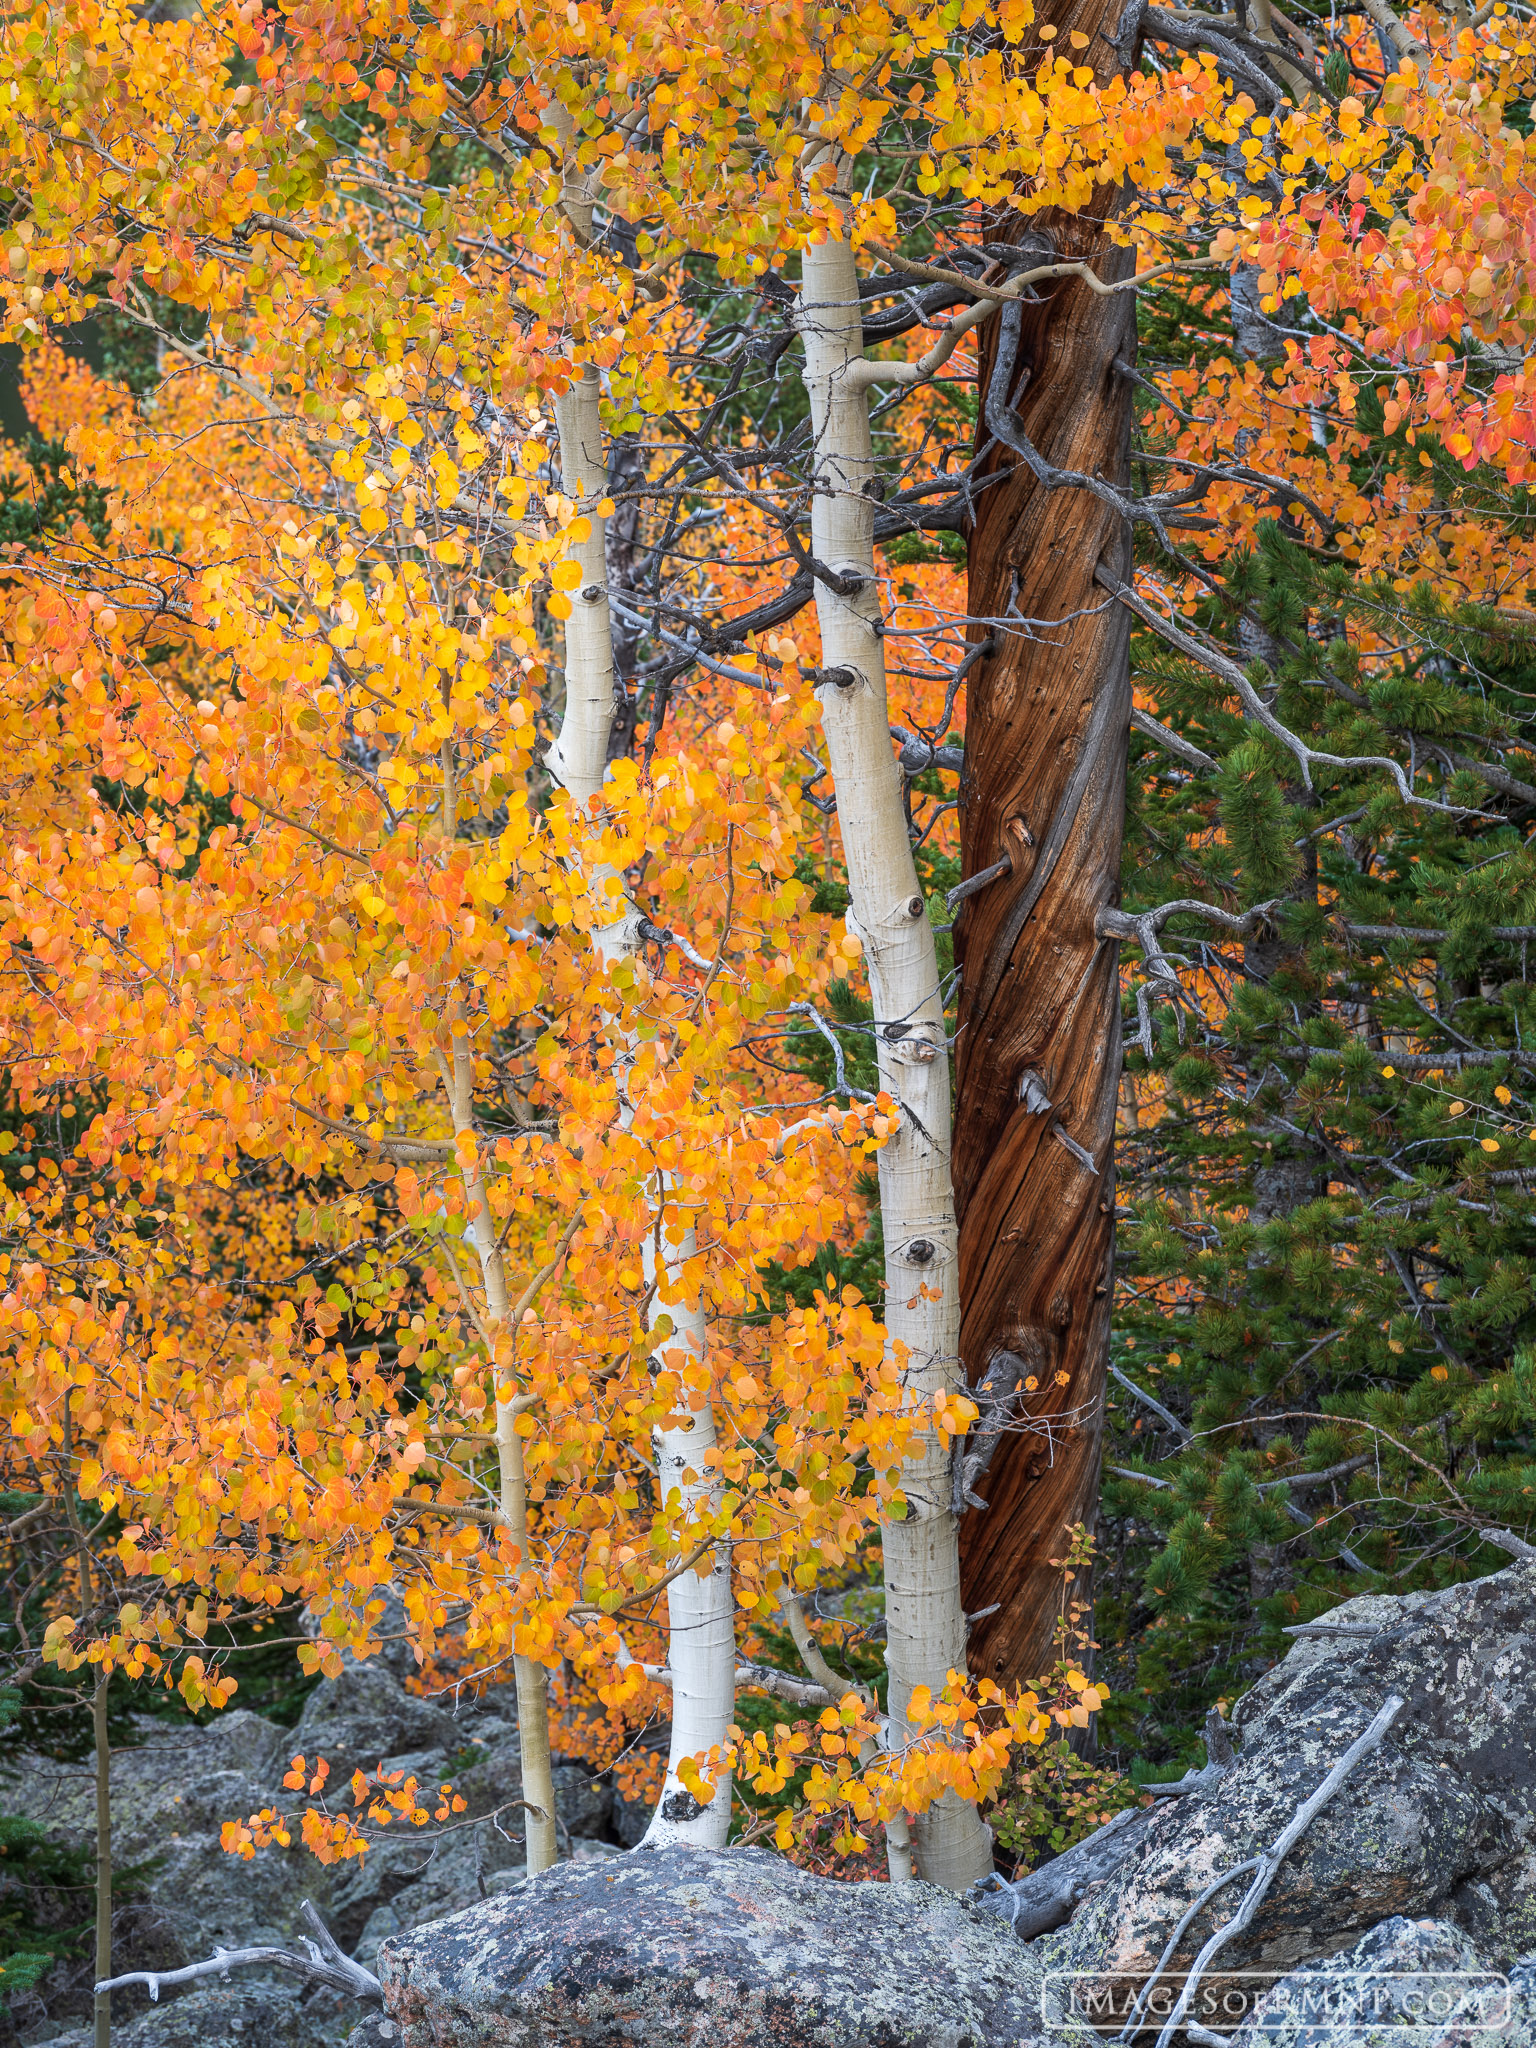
693, 1948
173, 1791
233, 2015
631, 1818
171, 1795
366, 1717
1441, 1819
1406, 1984
583, 1798
376, 2030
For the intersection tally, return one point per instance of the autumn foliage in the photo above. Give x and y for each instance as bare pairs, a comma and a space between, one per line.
304, 998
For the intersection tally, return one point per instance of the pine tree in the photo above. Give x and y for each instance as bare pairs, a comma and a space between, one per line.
1324, 1355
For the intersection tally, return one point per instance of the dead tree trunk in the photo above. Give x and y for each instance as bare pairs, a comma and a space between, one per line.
1039, 1016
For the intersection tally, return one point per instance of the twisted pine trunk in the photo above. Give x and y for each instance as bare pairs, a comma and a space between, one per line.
1039, 1018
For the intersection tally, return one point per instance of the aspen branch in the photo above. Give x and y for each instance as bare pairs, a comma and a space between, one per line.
457, 1511
780, 1685
464, 1295
811, 1656
763, 1678
546, 1272
282, 818
588, 1610
1396, 31
24, 1522
897, 1832
411, 1151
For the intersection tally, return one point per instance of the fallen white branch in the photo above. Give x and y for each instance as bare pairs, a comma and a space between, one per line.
319, 1961
1266, 1868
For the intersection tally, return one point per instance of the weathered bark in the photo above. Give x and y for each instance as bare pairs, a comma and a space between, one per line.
1039, 1019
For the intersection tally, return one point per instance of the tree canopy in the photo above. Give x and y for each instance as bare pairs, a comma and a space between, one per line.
606, 606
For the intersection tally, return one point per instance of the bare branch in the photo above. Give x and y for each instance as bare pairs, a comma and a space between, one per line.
762, 1678
296, 825
1256, 709
918, 754
319, 1962
1300, 1481
1148, 1401
1174, 743
425, 1151
1048, 1897
810, 1653
1268, 1866
586, 1610
1145, 929
1424, 935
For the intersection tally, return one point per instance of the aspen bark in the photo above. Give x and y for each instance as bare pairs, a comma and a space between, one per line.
535, 1762
579, 758
700, 1611
1039, 1012
701, 1616
925, 1622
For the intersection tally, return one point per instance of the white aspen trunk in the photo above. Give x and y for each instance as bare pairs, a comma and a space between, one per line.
535, 1760
701, 1614
579, 758
925, 1621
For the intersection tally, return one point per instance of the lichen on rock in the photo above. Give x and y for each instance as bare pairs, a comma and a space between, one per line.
696, 1948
